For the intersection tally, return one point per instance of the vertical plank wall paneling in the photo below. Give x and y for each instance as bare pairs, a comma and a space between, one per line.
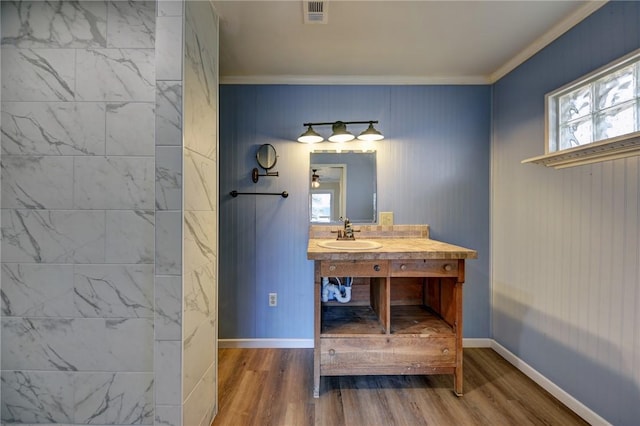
433, 167
566, 280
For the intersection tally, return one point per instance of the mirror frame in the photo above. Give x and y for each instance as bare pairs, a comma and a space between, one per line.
264, 153
345, 202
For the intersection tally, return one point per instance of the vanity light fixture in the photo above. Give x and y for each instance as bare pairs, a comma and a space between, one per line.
315, 179
310, 136
340, 132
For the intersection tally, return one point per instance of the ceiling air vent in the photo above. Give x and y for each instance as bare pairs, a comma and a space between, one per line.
315, 12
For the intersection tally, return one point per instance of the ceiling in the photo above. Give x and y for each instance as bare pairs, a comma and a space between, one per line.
388, 42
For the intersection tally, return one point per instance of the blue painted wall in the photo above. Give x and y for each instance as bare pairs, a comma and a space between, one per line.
433, 168
565, 242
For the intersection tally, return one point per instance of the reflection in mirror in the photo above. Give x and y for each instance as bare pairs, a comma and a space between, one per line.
347, 187
266, 156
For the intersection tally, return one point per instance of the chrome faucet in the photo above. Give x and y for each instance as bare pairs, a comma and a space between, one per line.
347, 232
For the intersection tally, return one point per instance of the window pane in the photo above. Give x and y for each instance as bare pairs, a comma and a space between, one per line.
616, 121
576, 133
575, 104
321, 207
616, 88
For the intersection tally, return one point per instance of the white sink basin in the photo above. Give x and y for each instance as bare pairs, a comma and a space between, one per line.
350, 244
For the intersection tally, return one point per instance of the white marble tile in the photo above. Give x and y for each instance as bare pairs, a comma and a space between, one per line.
114, 182
39, 344
115, 75
200, 120
113, 398
37, 74
168, 243
130, 129
118, 344
36, 236
200, 76
53, 128
201, 404
199, 239
37, 397
77, 344
168, 308
199, 297
170, 7
168, 415
128, 345
130, 236
199, 354
31, 182
168, 371
37, 290
114, 291
131, 24
169, 113
200, 182
54, 24
168, 178
169, 48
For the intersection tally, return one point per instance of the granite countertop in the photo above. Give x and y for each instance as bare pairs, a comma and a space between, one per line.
392, 248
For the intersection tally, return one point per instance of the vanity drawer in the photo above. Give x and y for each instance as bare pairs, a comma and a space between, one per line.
355, 268
386, 355
424, 268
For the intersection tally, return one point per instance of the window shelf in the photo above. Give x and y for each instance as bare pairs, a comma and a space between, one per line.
609, 149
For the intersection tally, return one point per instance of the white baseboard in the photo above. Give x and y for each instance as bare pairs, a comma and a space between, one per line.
308, 343
265, 343
573, 404
476, 343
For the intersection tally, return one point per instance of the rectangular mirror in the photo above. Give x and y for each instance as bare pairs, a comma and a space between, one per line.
345, 186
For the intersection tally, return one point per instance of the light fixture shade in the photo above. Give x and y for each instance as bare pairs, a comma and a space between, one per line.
310, 136
315, 179
340, 133
371, 134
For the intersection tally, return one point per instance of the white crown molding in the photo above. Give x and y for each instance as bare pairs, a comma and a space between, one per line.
354, 80
547, 38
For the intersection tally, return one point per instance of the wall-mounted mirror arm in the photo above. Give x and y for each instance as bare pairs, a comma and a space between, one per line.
255, 174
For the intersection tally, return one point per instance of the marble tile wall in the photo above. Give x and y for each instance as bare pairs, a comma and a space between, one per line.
168, 206
200, 223
78, 178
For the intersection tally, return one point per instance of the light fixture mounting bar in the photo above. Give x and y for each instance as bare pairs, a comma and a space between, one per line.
344, 122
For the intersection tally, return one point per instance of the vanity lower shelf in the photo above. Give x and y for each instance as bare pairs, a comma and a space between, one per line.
353, 342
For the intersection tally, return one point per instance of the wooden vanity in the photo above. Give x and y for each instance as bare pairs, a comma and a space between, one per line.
405, 315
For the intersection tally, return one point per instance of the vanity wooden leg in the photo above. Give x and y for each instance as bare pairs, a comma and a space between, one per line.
457, 381
457, 374
316, 332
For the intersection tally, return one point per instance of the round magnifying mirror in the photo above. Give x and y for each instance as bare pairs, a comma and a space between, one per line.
266, 156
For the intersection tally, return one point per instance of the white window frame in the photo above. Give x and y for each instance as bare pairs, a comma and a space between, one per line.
599, 150
332, 198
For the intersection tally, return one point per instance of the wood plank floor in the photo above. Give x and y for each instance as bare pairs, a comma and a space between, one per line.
274, 387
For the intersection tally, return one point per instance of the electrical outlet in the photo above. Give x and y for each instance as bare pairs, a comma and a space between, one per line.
386, 218
273, 299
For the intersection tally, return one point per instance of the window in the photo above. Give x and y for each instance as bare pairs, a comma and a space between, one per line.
595, 118
321, 206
